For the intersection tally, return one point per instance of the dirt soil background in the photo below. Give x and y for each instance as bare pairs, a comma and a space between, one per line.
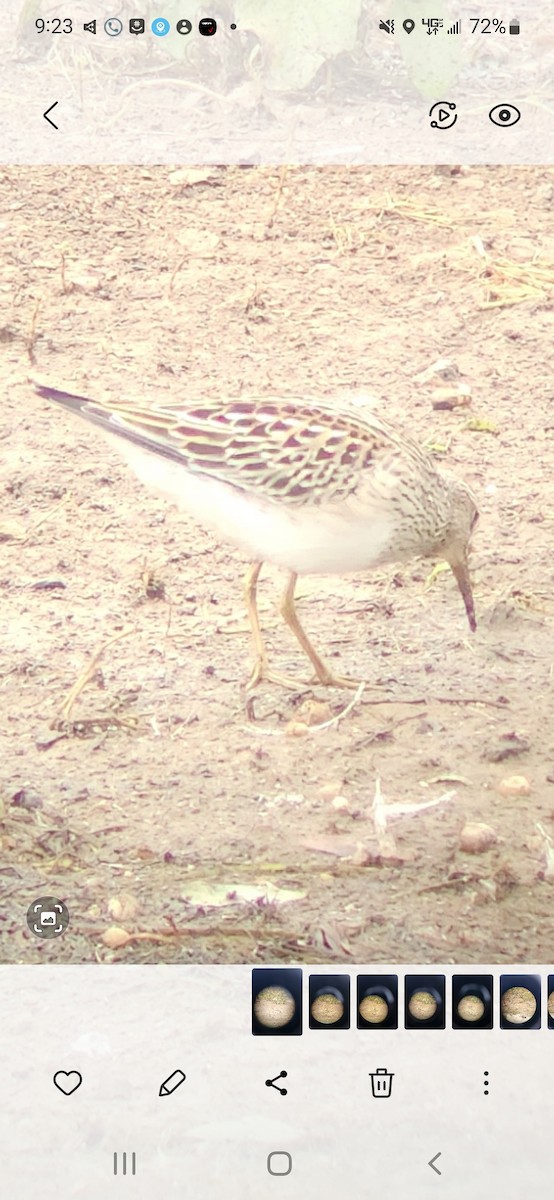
175, 828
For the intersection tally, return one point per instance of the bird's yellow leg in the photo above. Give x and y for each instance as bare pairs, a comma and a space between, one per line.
288, 611
261, 670
250, 590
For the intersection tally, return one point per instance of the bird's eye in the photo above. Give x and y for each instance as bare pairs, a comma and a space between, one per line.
474, 520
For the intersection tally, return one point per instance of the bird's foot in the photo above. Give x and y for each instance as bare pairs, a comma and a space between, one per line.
261, 673
328, 679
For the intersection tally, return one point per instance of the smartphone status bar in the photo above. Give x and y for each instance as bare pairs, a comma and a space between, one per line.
255, 85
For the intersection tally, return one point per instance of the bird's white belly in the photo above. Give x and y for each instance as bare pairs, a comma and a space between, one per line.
305, 539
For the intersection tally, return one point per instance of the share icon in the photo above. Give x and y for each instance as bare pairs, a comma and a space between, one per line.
271, 1082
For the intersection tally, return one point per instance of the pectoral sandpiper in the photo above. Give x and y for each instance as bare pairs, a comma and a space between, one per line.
317, 488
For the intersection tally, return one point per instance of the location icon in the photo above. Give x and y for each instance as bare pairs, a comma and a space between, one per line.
408, 25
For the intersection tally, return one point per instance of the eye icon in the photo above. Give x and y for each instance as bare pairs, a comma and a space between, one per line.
504, 114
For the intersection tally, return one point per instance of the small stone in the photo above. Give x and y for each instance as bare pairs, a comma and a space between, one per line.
514, 785
297, 729
123, 907
115, 937
451, 397
476, 837
313, 712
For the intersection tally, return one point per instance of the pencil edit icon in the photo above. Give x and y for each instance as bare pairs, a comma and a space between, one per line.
172, 1082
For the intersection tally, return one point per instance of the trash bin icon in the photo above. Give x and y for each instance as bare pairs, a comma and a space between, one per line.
381, 1082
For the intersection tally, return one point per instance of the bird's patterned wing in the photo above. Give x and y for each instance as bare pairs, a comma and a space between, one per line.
279, 449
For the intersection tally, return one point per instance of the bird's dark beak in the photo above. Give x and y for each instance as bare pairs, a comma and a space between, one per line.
461, 573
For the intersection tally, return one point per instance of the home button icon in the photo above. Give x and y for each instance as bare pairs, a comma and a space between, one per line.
279, 1162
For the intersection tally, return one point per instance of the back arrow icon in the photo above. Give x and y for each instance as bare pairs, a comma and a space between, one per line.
432, 1162
49, 110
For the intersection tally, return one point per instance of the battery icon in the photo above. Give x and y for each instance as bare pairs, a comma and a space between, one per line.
514, 27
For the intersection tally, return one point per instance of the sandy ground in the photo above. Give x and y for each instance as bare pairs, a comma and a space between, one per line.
155, 805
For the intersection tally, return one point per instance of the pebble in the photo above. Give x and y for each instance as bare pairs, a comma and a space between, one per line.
514, 785
297, 729
115, 937
476, 837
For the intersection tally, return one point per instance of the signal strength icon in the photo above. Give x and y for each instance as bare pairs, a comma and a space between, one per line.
388, 26
455, 28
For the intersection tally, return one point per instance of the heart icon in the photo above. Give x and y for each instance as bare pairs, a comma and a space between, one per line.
68, 1081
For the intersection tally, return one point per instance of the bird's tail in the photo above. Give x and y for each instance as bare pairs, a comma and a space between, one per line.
67, 399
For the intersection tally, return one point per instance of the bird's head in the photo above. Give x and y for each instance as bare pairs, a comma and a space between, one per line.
454, 540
